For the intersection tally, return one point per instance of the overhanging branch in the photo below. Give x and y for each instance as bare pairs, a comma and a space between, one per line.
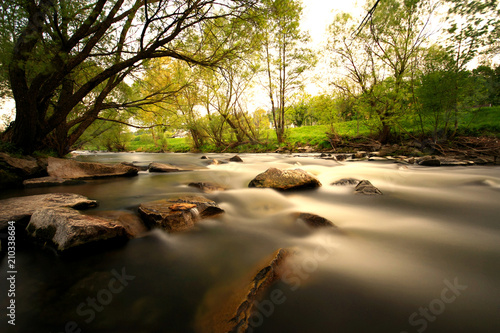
130, 125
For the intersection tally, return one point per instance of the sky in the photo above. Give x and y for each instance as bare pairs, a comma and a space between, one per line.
317, 15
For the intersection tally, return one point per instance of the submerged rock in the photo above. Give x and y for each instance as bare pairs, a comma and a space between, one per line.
178, 214
66, 228
71, 169
346, 182
20, 209
207, 187
137, 166
214, 162
285, 180
366, 188
161, 167
228, 308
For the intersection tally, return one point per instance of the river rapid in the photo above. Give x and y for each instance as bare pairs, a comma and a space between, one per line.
422, 257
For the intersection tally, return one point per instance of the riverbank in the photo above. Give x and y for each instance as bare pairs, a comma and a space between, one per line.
15, 169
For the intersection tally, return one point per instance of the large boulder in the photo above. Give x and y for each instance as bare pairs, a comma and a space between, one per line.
178, 214
229, 307
67, 228
366, 188
14, 170
134, 227
162, 167
285, 180
26, 167
20, 209
71, 169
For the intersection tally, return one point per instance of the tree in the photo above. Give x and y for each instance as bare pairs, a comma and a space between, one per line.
285, 56
377, 60
474, 28
54, 42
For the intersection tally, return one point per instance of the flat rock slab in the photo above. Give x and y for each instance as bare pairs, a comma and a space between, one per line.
21, 208
25, 167
71, 169
178, 214
366, 188
51, 181
285, 180
162, 167
207, 187
67, 228
134, 227
228, 308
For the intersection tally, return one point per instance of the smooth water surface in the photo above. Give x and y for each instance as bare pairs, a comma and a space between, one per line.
424, 256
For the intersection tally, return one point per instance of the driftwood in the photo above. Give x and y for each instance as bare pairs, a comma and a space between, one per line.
355, 144
471, 147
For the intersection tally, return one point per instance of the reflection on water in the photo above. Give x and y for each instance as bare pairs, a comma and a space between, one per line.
391, 272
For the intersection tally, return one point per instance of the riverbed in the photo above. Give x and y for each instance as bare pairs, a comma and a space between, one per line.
424, 256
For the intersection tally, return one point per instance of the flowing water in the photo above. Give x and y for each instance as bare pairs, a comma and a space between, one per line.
425, 256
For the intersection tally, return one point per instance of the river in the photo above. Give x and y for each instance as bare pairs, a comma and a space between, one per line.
423, 257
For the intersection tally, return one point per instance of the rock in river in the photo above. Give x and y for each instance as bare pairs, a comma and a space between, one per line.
133, 225
235, 158
346, 182
429, 161
229, 307
20, 209
161, 167
178, 214
71, 169
51, 181
313, 220
285, 180
207, 187
14, 170
66, 228
365, 187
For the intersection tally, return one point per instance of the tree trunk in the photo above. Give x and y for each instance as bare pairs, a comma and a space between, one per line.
385, 133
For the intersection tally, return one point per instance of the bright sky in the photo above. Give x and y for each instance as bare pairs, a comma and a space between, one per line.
318, 14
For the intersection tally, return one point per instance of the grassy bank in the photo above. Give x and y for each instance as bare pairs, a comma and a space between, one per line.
474, 122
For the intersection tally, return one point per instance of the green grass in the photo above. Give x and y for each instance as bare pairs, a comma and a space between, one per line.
474, 122
482, 121
177, 145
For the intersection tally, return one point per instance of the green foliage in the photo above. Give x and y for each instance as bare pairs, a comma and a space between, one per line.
285, 56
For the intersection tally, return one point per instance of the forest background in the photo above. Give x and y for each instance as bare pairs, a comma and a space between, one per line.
192, 75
